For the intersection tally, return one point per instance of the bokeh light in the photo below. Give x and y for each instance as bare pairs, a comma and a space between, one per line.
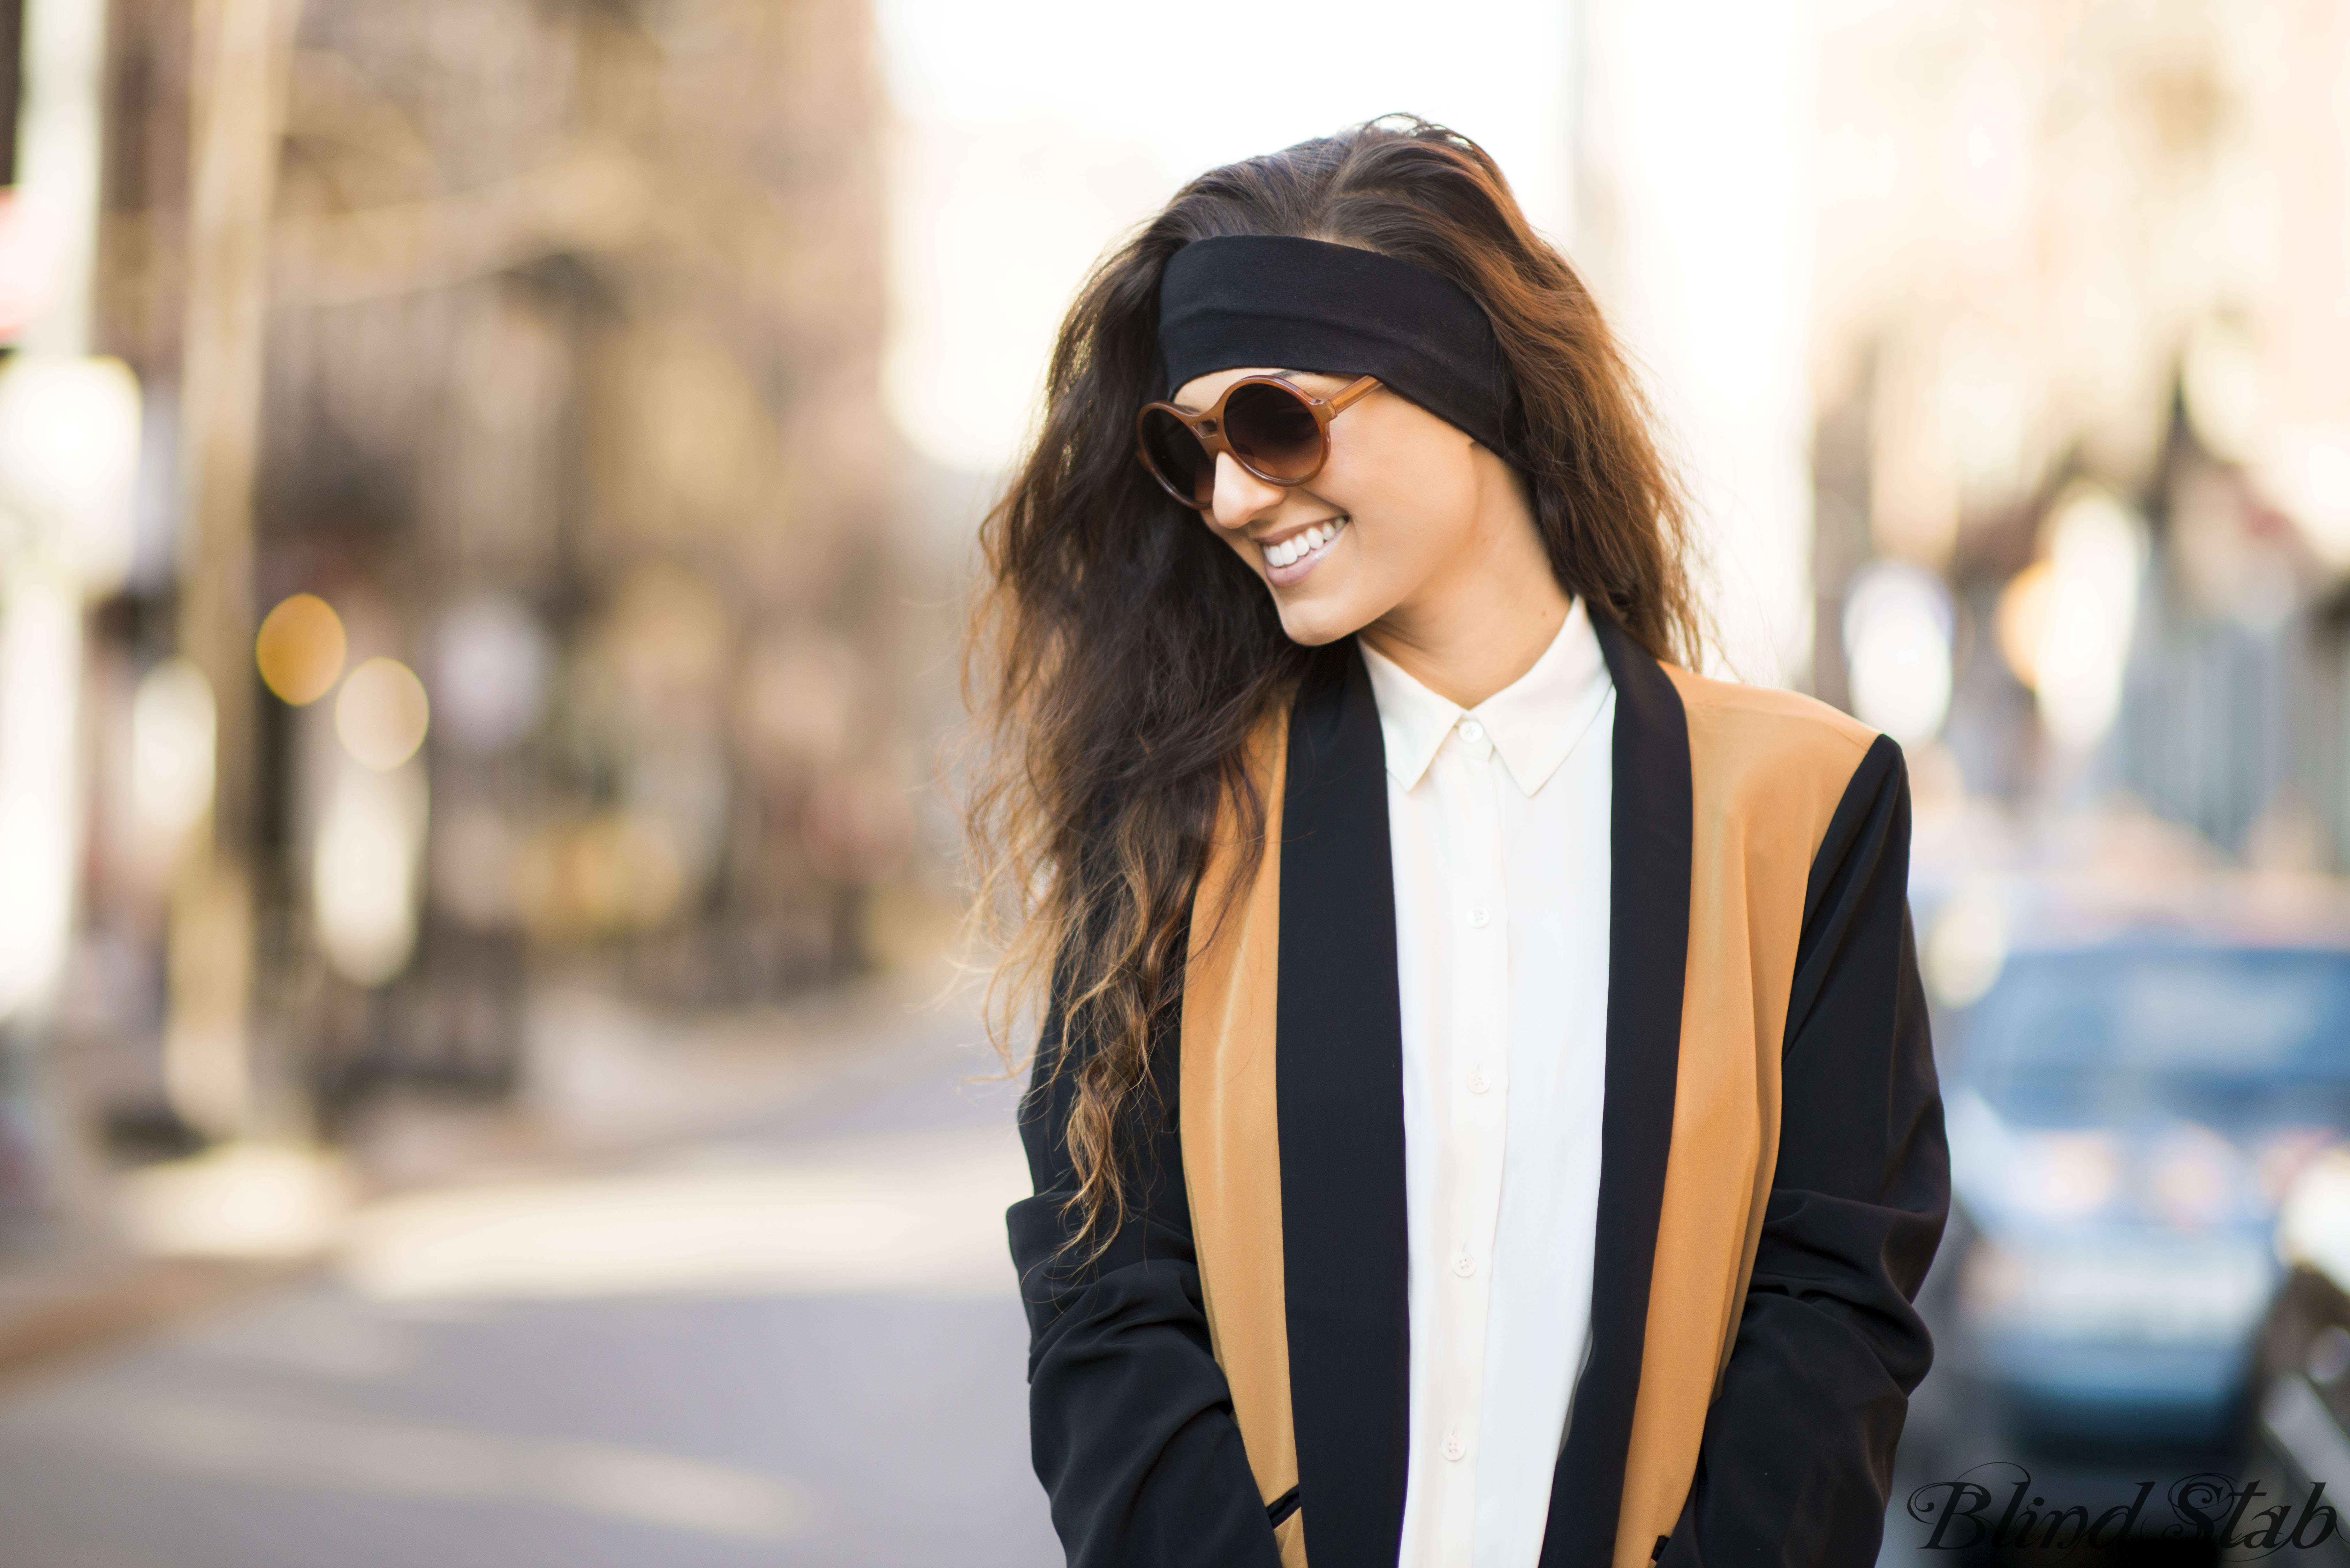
1965, 951
28, 266
491, 661
2021, 621
69, 460
171, 743
2097, 554
1897, 635
300, 648
364, 871
382, 713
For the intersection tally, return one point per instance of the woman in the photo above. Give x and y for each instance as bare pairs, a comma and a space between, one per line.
1484, 1113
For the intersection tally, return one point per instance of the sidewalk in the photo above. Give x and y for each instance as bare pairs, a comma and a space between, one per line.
604, 1080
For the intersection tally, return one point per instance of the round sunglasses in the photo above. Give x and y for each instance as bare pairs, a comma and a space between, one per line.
1271, 426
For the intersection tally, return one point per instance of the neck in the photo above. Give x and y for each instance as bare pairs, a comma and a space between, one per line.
1481, 622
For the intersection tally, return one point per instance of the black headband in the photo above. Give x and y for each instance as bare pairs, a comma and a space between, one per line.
1308, 304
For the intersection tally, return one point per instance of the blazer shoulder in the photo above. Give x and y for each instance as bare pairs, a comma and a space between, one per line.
1760, 736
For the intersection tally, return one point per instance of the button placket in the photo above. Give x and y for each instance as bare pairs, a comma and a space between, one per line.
1472, 919
1472, 1058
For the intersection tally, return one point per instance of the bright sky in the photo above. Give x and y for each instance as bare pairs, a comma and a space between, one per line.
1033, 133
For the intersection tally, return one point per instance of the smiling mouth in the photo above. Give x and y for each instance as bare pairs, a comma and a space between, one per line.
1299, 546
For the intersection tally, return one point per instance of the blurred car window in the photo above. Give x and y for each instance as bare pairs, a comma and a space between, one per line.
2225, 1037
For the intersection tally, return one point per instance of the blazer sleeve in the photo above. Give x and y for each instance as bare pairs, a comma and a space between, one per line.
1796, 1459
1130, 1420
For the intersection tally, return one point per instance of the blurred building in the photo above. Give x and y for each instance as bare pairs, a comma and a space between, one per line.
547, 608
2080, 355
517, 578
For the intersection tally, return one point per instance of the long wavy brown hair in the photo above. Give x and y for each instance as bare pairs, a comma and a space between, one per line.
1121, 655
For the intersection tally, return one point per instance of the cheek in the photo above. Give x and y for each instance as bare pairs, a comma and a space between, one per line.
1411, 509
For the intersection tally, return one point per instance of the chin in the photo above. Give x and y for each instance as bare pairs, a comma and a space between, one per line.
1314, 625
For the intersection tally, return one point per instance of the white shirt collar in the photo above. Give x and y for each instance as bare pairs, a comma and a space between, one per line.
1533, 721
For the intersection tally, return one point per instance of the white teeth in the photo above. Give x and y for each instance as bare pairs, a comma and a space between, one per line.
1297, 546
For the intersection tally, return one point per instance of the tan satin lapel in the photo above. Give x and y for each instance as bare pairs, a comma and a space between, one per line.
1231, 1134
1767, 769
1290, 1537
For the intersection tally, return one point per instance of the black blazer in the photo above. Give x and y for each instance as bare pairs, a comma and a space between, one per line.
1132, 1419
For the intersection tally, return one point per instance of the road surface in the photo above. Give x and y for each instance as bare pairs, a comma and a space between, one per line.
795, 1344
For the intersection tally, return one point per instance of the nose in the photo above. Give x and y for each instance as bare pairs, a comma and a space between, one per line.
1240, 496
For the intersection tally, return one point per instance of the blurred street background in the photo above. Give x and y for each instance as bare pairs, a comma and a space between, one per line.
487, 493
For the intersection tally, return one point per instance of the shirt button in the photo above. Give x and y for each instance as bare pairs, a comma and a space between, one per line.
1463, 1264
1471, 730
1479, 1082
1478, 917
1453, 1447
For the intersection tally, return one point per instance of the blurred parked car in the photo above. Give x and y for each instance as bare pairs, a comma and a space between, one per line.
2303, 1427
2125, 1119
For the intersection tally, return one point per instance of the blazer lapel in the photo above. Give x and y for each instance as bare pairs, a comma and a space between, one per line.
1648, 912
1339, 1090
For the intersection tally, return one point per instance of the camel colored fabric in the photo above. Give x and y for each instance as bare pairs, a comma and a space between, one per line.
1231, 1135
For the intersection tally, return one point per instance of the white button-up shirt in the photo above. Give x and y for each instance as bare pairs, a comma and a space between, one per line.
1499, 818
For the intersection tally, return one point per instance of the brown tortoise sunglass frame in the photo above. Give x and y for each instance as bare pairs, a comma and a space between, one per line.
1274, 428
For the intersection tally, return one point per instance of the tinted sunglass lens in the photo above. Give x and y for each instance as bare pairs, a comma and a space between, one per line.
1273, 431
1177, 456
